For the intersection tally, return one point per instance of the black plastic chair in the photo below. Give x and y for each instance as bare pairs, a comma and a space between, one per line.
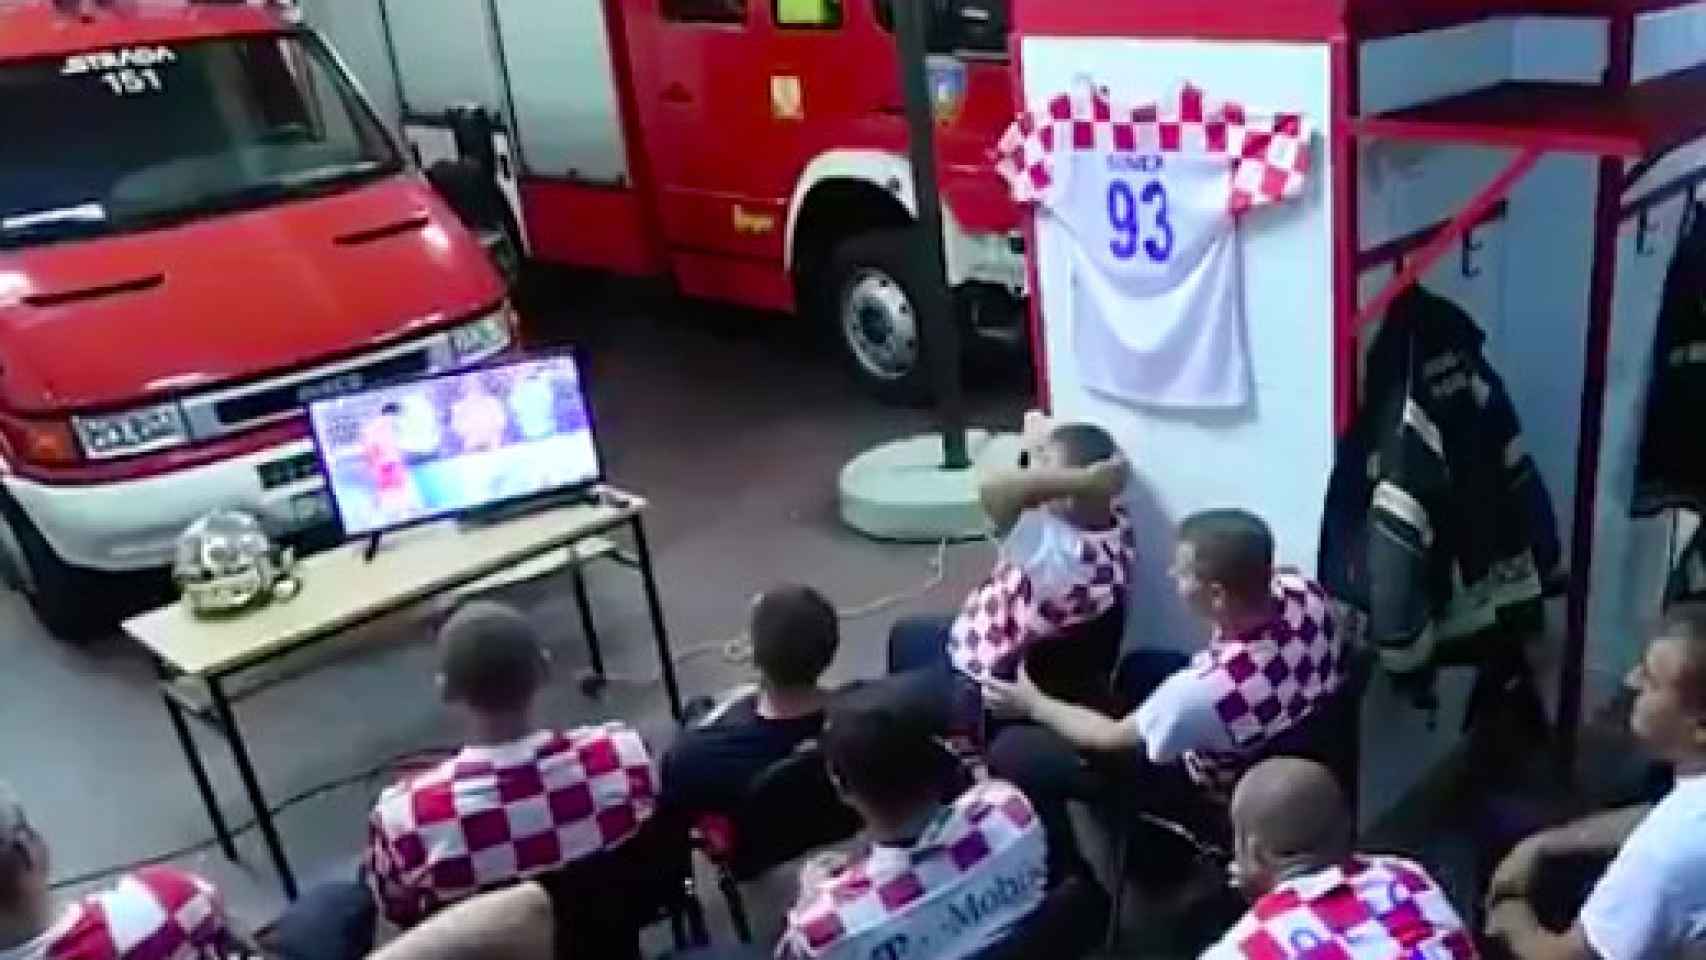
1065, 927
770, 830
1078, 667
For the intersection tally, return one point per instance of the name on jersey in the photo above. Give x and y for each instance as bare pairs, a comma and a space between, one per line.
1134, 162
79, 64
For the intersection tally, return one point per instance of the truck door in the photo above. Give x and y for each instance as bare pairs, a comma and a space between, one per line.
704, 91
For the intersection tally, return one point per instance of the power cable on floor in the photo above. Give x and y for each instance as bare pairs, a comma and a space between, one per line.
391, 767
735, 650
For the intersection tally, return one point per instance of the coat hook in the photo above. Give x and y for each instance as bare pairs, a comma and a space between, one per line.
1471, 246
1643, 230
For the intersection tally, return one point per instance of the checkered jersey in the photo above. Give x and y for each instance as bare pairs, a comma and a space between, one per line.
491, 815
1267, 156
1369, 908
1139, 208
1016, 606
1270, 678
975, 870
154, 914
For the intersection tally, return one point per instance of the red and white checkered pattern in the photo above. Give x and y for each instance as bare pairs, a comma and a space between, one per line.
1271, 677
991, 824
491, 815
1370, 908
154, 914
1004, 615
1268, 155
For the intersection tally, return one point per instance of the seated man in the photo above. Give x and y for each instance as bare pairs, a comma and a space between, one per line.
1273, 658
939, 879
1651, 901
1310, 895
156, 913
519, 801
795, 633
1065, 556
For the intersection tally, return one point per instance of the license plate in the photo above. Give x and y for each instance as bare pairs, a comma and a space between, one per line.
311, 509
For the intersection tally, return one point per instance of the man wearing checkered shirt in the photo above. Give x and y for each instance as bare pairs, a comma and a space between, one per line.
1274, 658
1064, 560
156, 913
1311, 896
939, 880
573, 806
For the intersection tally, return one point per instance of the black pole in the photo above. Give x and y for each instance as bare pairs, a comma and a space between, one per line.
940, 334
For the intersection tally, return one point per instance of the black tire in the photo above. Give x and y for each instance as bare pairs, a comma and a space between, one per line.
879, 269
70, 602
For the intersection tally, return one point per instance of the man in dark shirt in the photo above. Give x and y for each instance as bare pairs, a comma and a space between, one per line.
795, 633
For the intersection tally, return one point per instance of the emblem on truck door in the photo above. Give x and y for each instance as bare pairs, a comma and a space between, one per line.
787, 98
753, 223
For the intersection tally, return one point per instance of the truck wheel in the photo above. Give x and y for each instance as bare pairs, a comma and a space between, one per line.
66, 599
870, 295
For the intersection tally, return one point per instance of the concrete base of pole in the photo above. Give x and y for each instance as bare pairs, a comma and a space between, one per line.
899, 491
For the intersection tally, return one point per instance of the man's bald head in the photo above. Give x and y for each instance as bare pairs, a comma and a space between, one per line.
1288, 812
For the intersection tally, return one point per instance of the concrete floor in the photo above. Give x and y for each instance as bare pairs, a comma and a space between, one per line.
733, 424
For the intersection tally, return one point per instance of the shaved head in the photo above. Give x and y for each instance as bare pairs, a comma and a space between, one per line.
1288, 812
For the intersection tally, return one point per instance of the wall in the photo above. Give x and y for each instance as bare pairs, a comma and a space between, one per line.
1275, 457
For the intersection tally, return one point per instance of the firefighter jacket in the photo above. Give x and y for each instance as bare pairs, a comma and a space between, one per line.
1437, 525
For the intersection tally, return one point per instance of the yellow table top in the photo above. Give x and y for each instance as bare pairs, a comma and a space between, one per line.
341, 589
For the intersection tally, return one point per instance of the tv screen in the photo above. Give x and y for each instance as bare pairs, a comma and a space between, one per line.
433, 448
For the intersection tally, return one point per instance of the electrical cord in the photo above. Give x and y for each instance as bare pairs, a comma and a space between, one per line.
735, 650
392, 767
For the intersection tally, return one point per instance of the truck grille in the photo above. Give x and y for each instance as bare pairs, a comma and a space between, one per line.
232, 410
287, 398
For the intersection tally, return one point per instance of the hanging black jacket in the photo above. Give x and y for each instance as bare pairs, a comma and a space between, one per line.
1671, 471
1436, 524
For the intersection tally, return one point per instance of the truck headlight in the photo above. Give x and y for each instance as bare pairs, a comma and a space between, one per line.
143, 430
483, 338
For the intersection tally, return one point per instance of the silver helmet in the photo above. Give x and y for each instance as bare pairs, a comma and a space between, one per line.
226, 563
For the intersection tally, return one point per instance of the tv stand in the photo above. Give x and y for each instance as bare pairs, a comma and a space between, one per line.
372, 548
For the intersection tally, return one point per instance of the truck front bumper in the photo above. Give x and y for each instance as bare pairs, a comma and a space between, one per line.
134, 525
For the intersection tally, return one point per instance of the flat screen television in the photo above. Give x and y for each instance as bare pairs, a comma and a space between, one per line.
456, 444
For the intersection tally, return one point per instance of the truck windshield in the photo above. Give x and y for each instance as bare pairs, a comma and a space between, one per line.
123, 139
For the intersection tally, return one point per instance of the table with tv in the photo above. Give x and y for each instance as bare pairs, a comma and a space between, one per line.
198, 658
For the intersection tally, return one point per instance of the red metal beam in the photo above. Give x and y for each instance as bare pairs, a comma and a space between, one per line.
1602, 284
1343, 57
1402, 246
1466, 220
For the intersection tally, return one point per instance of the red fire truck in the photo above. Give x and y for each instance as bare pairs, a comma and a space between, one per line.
195, 202
753, 151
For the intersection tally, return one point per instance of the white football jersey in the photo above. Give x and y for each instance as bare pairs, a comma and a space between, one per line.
1149, 197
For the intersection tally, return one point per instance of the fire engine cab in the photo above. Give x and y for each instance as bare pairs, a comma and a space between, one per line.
753, 151
195, 202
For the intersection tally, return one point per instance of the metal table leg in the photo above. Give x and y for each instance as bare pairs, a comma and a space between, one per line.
198, 770
594, 653
246, 769
666, 660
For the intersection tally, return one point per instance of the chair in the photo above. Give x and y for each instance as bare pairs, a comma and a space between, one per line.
770, 830
1064, 927
1330, 736
604, 899
1078, 666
